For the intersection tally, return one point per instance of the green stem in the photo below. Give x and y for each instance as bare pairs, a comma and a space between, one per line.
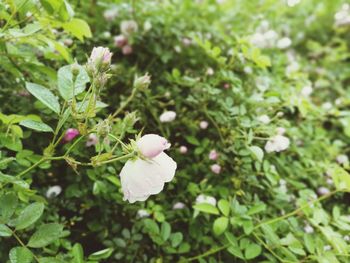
23, 245
125, 103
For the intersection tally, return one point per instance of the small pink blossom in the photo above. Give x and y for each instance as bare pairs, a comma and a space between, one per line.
128, 27
70, 134
100, 55
183, 149
215, 168
203, 125
127, 50
226, 86
213, 155
151, 145
120, 41
92, 140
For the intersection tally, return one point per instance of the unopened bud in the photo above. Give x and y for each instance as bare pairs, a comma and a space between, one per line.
142, 82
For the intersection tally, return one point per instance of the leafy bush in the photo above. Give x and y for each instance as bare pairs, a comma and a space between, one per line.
252, 95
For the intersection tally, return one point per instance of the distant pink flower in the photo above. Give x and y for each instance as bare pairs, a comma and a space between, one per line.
120, 40
127, 50
183, 149
92, 140
213, 155
203, 125
151, 145
70, 134
215, 168
226, 86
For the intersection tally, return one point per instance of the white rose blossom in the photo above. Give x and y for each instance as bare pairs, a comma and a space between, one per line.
277, 143
146, 176
167, 116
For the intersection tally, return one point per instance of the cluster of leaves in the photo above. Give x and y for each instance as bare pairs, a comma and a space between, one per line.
265, 200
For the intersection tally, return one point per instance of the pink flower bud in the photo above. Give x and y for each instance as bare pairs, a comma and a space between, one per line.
226, 86
215, 168
213, 155
101, 53
70, 134
120, 40
127, 50
203, 125
151, 145
183, 149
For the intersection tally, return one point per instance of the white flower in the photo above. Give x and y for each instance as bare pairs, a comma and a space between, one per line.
209, 72
277, 143
167, 116
215, 168
292, 3
178, 206
110, 14
280, 130
92, 140
142, 178
142, 213
327, 106
128, 27
323, 190
203, 125
201, 199
308, 229
264, 119
284, 43
342, 159
306, 91
183, 149
247, 70
346, 238
53, 191
342, 17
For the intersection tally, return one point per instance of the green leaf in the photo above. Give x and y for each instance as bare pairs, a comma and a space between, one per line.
176, 239
78, 253
102, 254
224, 207
165, 231
151, 226
256, 209
79, 28
20, 255
257, 152
252, 251
5, 231
192, 140
36, 125
220, 225
45, 235
340, 177
29, 215
66, 86
52, 260
207, 208
8, 204
235, 250
44, 95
